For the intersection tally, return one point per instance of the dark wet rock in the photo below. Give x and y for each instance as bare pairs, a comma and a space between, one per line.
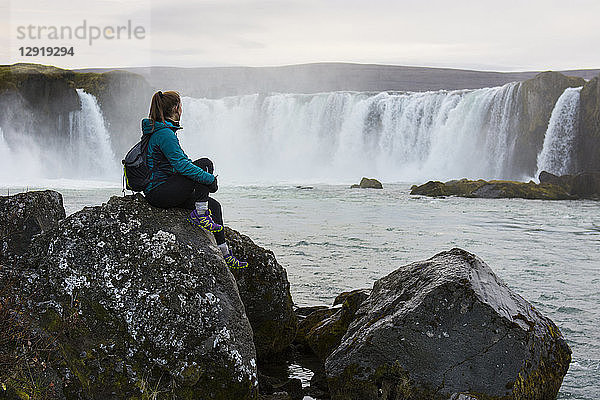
447, 326
265, 292
564, 181
270, 385
366, 183
154, 305
291, 386
306, 324
462, 187
318, 385
321, 328
492, 190
25, 215
275, 396
353, 298
302, 312
586, 185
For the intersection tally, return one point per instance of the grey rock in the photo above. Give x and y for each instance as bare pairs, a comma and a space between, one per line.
25, 215
586, 185
155, 305
443, 326
366, 183
265, 292
587, 141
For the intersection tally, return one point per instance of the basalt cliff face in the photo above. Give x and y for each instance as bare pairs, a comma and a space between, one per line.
588, 143
537, 98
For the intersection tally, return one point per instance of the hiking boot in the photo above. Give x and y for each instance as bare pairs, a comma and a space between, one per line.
233, 262
204, 221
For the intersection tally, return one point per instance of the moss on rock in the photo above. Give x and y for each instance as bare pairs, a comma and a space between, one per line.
492, 189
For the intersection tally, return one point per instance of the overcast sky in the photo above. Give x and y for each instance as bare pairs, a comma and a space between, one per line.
487, 35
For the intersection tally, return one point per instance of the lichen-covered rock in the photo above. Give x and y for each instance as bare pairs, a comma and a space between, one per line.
158, 310
265, 292
493, 190
447, 326
25, 215
366, 183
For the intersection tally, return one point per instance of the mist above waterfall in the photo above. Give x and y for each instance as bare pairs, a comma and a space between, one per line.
341, 136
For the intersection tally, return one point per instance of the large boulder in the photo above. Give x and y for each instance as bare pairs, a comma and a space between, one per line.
443, 327
25, 215
265, 292
139, 303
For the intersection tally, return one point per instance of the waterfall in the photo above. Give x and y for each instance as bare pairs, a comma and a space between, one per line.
556, 155
89, 141
342, 136
78, 147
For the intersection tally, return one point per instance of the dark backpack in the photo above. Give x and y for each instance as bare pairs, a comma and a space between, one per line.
136, 174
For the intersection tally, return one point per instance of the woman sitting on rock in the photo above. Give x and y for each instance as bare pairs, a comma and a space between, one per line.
176, 181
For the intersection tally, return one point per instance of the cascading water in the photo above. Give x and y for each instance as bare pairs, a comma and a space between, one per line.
342, 136
556, 155
80, 149
92, 156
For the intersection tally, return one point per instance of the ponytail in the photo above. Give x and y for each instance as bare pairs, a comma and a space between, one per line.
163, 104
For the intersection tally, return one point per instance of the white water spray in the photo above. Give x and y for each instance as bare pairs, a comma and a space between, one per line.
342, 136
92, 156
556, 155
80, 150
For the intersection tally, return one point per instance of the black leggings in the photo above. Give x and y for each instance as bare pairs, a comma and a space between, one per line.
182, 192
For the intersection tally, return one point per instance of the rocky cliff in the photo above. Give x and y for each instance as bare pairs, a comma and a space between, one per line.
537, 98
43, 96
588, 140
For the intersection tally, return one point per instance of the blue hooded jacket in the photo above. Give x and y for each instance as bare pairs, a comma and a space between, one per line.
165, 156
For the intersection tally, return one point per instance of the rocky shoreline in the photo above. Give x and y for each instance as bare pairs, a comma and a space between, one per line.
127, 301
585, 185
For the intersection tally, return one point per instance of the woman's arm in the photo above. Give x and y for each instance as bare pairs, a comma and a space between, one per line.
169, 145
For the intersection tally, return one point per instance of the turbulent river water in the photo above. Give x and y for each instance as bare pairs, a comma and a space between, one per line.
331, 238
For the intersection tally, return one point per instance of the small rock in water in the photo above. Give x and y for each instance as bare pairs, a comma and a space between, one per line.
366, 183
